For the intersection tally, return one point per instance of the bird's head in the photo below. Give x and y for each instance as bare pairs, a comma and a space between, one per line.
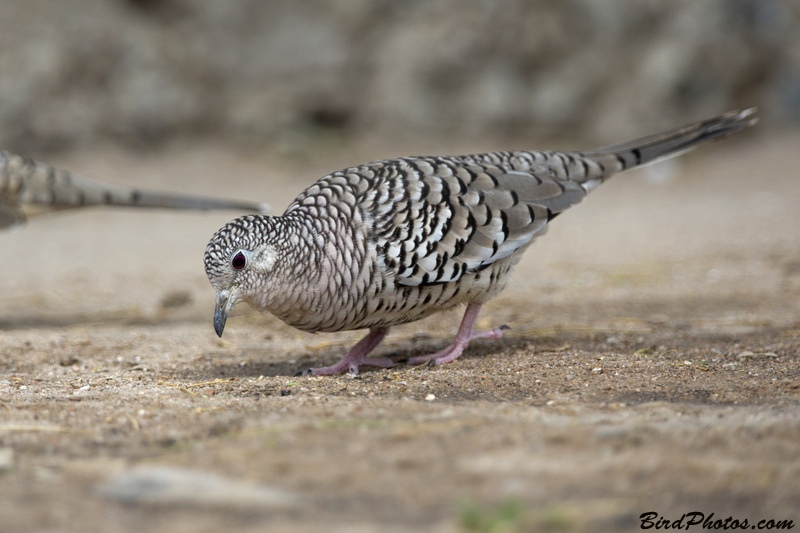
238, 262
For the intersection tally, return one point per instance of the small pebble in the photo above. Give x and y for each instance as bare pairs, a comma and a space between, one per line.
430, 397
749, 355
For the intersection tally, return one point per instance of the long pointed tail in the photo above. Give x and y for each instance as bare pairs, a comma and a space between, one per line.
29, 188
672, 142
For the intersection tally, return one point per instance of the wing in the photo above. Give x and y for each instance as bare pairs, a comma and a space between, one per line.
433, 219
437, 218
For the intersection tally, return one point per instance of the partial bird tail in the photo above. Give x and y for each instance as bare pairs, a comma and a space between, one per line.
166, 200
673, 142
29, 188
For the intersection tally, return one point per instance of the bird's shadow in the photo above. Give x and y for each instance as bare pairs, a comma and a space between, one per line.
399, 354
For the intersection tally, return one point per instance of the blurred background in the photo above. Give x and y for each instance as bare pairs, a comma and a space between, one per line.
101, 309
278, 73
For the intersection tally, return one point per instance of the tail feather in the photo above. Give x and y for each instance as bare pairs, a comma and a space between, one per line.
95, 193
673, 142
30, 188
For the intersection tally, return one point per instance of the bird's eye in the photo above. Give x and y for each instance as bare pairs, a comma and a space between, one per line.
239, 260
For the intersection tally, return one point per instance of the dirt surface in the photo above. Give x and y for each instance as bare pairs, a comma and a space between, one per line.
653, 365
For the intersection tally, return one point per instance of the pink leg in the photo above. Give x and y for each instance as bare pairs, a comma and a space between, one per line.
465, 334
356, 357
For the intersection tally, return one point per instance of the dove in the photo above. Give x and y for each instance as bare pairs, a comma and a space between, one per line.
394, 241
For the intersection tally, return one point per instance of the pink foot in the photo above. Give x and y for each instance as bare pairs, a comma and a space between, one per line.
356, 357
464, 336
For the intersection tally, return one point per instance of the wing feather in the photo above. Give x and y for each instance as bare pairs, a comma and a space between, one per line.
460, 214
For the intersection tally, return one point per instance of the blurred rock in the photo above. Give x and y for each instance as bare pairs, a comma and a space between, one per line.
144, 71
203, 490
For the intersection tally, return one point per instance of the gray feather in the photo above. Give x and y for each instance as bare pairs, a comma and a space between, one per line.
29, 188
393, 241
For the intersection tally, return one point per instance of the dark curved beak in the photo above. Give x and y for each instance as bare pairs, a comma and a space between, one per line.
221, 311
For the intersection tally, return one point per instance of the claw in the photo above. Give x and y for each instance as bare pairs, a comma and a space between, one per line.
356, 357
465, 334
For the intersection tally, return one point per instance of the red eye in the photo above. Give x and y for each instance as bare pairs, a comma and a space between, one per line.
239, 261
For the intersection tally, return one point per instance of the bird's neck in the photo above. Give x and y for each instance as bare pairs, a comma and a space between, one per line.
317, 261
290, 282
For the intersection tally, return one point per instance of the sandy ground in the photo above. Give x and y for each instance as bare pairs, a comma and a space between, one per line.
653, 365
